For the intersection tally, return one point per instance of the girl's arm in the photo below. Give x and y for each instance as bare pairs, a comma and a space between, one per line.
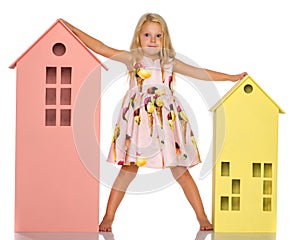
98, 46
204, 74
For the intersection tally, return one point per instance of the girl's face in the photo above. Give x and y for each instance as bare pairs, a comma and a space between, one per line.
151, 39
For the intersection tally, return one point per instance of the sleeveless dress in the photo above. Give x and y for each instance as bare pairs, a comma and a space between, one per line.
152, 129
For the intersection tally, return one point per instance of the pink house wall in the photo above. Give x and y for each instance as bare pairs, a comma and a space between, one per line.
54, 191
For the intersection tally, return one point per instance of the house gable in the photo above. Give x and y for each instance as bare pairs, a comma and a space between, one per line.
57, 24
246, 86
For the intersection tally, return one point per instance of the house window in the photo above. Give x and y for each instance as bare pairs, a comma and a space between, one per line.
235, 203
66, 75
234, 200
248, 88
50, 117
268, 170
267, 204
225, 169
225, 203
266, 181
65, 117
58, 96
59, 49
267, 187
65, 96
50, 96
50, 75
235, 186
256, 170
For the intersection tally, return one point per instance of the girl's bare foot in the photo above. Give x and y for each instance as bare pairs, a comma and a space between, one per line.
105, 225
205, 225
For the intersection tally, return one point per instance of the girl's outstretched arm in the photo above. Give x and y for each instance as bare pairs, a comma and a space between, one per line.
204, 74
98, 46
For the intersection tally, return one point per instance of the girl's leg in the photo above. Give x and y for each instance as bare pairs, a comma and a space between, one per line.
190, 189
125, 176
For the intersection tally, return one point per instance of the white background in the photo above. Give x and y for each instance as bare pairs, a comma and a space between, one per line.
260, 37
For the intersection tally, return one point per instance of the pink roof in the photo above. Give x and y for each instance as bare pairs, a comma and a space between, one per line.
13, 65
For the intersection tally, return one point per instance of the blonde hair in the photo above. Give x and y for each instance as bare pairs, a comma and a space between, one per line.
166, 52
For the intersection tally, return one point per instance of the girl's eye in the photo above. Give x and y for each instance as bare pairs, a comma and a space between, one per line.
158, 35
147, 34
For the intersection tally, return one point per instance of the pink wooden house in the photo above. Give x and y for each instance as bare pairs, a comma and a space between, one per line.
54, 191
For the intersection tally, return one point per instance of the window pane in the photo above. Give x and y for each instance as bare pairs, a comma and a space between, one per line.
51, 75
59, 49
235, 203
267, 204
225, 171
65, 117
256, 170
224, 203
268, 170
65, 96
235, 186
267, 187
50, 119
50, 96
66, 73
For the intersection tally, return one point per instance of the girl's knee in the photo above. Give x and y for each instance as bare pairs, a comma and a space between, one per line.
128, 172
181, 175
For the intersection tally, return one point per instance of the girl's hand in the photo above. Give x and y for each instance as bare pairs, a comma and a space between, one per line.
238, 77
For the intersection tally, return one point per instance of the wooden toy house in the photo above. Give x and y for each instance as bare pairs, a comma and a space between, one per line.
245, 158
54, 191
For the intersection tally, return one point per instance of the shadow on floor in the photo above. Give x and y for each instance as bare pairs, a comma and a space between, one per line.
201, 235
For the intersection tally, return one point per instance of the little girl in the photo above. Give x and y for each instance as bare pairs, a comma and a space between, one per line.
153, 129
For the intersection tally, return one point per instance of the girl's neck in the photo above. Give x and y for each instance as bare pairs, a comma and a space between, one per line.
152, 57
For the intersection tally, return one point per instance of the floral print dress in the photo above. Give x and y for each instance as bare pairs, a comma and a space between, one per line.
152, 129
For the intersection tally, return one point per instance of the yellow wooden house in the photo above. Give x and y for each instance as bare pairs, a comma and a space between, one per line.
245, 160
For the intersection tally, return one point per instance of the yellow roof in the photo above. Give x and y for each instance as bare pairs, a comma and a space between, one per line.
235, 87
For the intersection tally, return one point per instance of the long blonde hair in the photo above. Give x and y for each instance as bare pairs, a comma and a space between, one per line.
167, 51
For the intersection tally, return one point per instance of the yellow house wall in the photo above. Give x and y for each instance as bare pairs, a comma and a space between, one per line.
246, 132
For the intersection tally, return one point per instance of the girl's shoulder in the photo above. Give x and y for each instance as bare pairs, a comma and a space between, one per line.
123, 56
